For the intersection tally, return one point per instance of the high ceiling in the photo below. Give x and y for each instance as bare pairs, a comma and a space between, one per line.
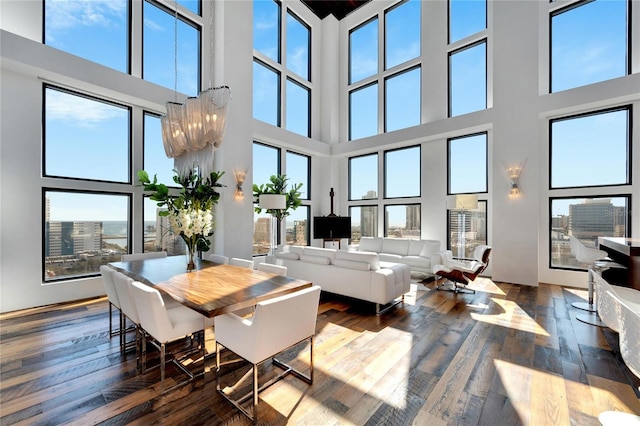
338, 8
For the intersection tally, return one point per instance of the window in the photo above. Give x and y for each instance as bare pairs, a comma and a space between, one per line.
156, 161
585, 219
402, 173
82, 231
578, 153
159, 48
402, 221
266, 28
466, 17
364, 222
298, 107
467, 230
589, 43
467, 158
298, 46
266, 94
402, 100
363, 112
299, 171
363, 51
468, 79
192, 5
402, 33
157, 231
281, 83
363, 177
266, 163
94, 133
77, 27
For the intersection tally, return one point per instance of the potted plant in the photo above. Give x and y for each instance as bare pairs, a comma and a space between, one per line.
276, 200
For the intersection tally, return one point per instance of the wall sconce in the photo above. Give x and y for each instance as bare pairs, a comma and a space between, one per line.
513, 175
240, 177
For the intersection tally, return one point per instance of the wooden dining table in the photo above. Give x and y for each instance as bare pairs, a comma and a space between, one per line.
212, 288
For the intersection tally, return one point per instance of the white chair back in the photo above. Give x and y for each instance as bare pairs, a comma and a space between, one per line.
109, 286
142, 256
272, 269
218, 258
243, 263
127, 305
153, 312
584, 254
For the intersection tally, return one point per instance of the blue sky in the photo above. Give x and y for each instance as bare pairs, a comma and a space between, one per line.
588, 45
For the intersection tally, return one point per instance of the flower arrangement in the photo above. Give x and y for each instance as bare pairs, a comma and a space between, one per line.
189, 212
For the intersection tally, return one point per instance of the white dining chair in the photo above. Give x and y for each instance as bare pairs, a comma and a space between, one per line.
271, 268
243, 263
112, 297
142, 256
218, 258
130, 312
276, 325
166, 325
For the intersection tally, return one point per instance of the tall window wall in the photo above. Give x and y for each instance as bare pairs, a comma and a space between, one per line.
395, 79
267, 161
580, 171
84, 225
281, 67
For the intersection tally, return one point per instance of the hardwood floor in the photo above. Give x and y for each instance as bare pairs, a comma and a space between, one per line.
506, 355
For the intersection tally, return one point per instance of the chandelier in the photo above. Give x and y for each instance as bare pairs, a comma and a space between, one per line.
193, 131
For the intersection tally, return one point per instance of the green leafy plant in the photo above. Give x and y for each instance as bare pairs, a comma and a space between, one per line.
189, 212
278, 185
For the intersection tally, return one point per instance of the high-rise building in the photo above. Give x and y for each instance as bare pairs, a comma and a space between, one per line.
592, 218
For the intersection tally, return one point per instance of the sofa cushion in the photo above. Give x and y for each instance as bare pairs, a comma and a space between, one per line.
417, 261
288, 255
415, 247
360, 256
429, 248
353, 264
321, 252
320, 260
370, 244
395, 246
386, 257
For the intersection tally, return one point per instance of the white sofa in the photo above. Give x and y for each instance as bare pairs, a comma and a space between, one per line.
354, 274
419, 255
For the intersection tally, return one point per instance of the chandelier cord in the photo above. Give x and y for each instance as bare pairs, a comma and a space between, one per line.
210, 43
175, 52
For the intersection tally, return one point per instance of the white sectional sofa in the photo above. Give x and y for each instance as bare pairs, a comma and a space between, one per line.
354, 274
419, 255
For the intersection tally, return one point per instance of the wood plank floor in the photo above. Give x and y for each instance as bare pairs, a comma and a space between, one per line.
507, 355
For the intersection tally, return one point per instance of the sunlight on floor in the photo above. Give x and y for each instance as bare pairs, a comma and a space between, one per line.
512, 316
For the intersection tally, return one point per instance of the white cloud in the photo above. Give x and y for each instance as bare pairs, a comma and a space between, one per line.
82, 111
61, 14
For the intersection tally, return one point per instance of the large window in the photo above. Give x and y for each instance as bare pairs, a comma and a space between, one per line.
85, 138
156, 161
467, 156
402, 172
363, 51
299, 171
82, 231
468, 79
159, 48
297, 226
77, 27
467, 229
363, 112
402, 33
363, 177
402, 221
589, 43
585, 219
364, 222
591, 149
402, 100
281, 82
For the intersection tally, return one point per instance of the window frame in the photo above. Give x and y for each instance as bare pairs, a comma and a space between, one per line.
486, 162
350, 174
417, 67
385, 174
309, 44
385, 225
482, 41
486, 224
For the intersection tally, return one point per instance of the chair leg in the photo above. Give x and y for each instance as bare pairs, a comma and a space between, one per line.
110, 321
162, 354
255, 393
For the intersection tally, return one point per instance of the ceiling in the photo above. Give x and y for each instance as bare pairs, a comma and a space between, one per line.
338, 8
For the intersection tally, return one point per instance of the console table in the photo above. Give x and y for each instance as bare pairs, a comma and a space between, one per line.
625, 251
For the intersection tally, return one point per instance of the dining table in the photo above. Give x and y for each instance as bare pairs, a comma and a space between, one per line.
211, 288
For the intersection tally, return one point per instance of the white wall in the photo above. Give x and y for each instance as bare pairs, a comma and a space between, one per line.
517, 124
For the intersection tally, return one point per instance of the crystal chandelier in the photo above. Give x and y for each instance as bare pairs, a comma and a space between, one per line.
193, 131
